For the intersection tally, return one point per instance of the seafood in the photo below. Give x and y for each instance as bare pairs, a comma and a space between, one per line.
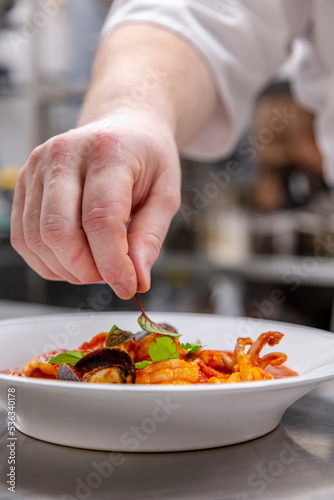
104, 365
156, 356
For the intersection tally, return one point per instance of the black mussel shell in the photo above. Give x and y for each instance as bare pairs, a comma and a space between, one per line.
168, 327
66, 372
107, 358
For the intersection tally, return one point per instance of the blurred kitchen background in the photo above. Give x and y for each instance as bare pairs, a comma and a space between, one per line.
255, 233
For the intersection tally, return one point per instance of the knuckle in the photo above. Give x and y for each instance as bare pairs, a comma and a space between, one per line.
54, 229
36, 155
155, 240
105, 143
108, 140
56, 173
34, 241
96, 219
60, 146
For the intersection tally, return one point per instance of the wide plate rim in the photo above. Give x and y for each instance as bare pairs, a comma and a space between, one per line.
59, 316
304, 379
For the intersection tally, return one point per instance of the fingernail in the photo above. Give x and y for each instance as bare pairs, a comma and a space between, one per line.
121, 292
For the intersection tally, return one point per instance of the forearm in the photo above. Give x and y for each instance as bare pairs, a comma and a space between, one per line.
145, 69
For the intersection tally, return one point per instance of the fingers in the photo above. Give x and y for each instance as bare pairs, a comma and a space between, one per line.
105, 210
61, 227
73, 201
69, 219
46, 220
148, 227
32, 231
17, 234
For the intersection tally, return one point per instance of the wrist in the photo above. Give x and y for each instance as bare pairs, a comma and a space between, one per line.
117, 115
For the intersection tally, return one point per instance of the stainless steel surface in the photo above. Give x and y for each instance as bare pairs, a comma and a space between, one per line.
294, 462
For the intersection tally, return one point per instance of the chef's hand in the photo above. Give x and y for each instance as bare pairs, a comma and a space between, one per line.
77, 192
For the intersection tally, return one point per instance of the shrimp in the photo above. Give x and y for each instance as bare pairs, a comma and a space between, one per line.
173, 371
144, 345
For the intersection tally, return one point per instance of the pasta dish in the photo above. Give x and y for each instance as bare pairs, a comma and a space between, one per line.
157, 356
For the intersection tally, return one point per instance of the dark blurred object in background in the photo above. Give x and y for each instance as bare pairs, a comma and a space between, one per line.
289, 164
5, 6
5, 84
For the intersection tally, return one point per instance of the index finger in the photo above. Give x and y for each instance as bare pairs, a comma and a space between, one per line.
106, 208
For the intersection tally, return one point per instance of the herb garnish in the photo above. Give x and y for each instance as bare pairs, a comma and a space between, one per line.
142, 364
117, 336
69, 357
149, 326
191, 348
162, 349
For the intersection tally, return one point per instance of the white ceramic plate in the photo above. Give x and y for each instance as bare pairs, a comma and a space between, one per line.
156, 418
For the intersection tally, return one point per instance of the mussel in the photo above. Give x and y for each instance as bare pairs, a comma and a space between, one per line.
105, 365
168, 327
66, 372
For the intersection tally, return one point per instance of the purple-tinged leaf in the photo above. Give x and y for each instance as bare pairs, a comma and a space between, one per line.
116, 336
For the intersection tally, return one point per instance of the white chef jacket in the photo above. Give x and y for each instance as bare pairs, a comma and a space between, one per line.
244, 42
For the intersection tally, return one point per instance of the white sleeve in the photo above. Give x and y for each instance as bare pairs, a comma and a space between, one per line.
242, 41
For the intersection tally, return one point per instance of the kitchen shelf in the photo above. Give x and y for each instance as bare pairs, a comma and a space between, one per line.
282, 269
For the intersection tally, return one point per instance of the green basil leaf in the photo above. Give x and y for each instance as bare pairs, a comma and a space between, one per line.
69, 357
